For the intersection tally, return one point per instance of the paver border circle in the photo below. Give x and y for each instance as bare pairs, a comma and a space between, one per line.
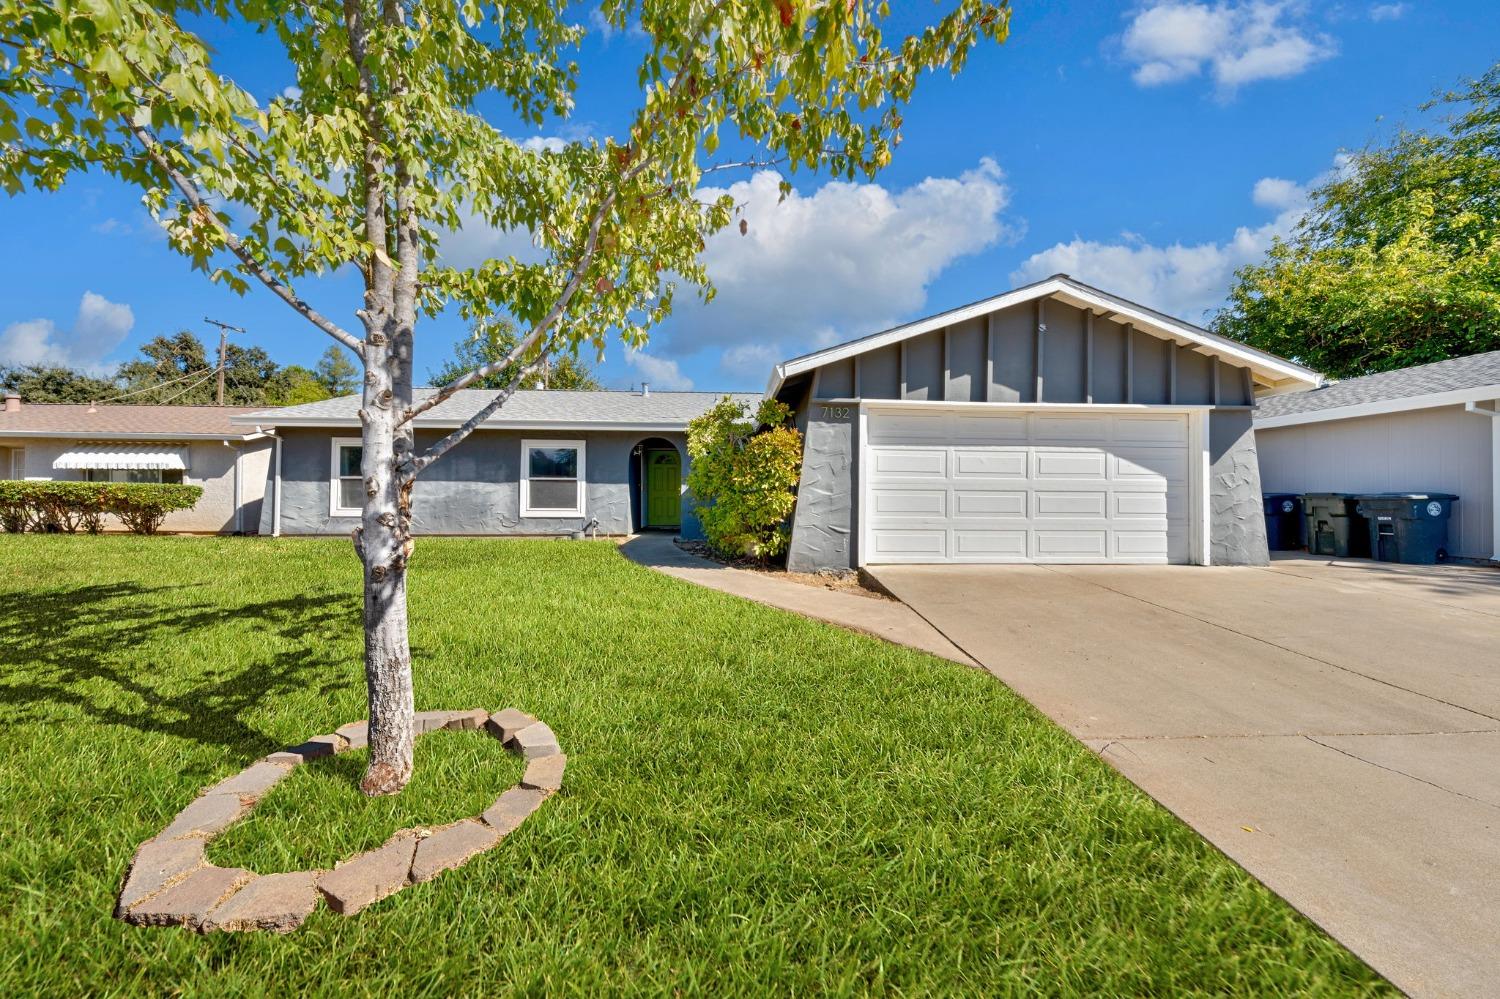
171, 883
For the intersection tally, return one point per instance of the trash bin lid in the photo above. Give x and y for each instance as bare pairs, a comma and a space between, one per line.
1450, 497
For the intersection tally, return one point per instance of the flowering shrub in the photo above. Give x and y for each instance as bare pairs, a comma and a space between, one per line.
744, 476
71, 506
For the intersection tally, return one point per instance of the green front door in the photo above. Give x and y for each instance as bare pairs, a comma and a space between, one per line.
663, 488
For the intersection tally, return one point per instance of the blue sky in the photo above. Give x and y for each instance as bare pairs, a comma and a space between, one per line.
1149, 148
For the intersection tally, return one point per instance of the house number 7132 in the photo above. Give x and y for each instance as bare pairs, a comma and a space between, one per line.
836, 412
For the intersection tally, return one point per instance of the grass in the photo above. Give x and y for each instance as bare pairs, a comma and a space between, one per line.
756, 803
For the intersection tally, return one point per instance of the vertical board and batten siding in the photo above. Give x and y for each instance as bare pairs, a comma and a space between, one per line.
1429, 450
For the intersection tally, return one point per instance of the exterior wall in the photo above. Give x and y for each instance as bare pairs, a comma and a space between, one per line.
210, 465
475, 488
1428, 450
1237, 522
823, 535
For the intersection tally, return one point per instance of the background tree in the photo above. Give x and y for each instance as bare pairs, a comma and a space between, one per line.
294, 385
177, 369
494, 342
336, 373
383, 148
52, 383
1398, 261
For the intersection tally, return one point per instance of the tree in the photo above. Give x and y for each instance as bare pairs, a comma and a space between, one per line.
294, 385
495, 343
336, 373
1397, 262
176, 369
52, 383
744, 477
383, 148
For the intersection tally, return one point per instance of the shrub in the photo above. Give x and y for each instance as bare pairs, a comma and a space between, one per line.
744, 478
69, 506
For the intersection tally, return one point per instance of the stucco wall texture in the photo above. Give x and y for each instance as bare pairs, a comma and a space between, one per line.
475, 488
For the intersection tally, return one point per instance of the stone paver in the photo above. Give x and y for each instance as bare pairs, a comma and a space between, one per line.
545, 773
206, 816
356, 734
450, 847
371, 876
504, 724
512, 808
275, 902
157, 864
189, 902
535, 740
254, 781
170, 883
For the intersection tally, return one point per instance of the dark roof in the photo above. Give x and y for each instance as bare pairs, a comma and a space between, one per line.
85, 421
1452, 375
527, 408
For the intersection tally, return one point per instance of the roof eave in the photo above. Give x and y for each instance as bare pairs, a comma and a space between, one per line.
340, 422
1406, 404
116, 435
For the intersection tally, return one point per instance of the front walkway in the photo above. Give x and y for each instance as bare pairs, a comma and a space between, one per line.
887, 619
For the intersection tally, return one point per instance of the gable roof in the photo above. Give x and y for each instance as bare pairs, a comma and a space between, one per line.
1442, 383
528, 409
1268, 368
121, 422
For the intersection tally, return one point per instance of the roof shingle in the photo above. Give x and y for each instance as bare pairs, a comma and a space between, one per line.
68, 420
1454, 374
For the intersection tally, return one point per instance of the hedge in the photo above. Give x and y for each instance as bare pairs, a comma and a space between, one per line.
51, 507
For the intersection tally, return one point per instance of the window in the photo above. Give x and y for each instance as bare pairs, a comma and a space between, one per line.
132, 475
552, 478
347, 480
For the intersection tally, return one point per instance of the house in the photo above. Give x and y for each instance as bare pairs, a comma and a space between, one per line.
1053, 423
548, 462
1432, 428
195, 445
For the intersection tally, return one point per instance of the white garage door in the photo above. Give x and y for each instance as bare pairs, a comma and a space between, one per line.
1026, 486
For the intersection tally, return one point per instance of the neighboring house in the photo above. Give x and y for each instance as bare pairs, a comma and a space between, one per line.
189, 444
1432, 428
548, 462
1053, 423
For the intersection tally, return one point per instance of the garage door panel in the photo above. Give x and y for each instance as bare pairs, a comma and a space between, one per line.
989, 545
1008, 463
1029, 487
900, 428
989, 503
928, 462
909, 502
1077, 464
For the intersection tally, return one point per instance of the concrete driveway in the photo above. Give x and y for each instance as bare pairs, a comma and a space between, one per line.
1334, 727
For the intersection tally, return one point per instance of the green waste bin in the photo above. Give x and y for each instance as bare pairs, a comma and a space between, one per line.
1334, 526
1283, 521
1408, 527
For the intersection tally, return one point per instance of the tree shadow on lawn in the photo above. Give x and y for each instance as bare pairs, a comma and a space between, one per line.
86, 648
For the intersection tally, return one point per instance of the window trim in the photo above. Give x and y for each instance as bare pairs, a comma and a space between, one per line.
525, 476
334, 510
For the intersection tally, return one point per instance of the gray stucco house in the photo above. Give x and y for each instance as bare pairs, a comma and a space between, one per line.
1430, 428
547, 463
1053, 423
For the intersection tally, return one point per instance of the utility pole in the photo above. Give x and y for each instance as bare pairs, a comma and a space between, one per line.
224, 330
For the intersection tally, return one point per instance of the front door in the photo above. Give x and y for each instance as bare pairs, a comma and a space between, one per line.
663, 488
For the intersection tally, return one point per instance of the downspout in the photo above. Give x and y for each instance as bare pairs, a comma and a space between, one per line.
1494, 415
275, 480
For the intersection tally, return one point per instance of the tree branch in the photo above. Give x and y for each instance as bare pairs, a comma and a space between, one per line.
237, 247
447, 444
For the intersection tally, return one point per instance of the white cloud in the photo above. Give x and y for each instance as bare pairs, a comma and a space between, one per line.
1388, 11
1235, 42
291, 93
660, 372
844, 260
97, 330
1181, 280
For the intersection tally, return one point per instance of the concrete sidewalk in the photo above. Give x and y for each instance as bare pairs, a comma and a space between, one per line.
1334, 728
887, 619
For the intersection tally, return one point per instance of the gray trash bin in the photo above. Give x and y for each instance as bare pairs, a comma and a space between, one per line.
1408, 527
1334, 527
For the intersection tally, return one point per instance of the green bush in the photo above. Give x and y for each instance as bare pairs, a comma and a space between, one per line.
744, 476
70, 506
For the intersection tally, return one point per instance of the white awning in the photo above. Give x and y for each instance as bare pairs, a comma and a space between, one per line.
123, 456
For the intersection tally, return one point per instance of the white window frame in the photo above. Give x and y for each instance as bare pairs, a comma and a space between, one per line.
17, 468
334, 510
552, 514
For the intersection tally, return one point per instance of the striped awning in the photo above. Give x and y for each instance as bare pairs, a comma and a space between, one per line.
123, 456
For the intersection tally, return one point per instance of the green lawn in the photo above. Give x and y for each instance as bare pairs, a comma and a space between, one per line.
755, 802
